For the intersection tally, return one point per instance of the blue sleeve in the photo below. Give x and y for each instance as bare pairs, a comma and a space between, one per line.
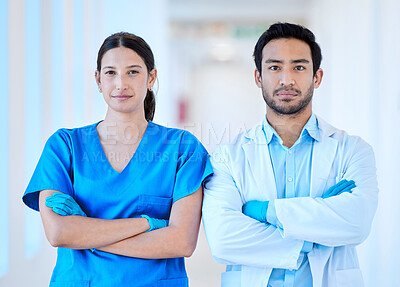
307, 246
271, 215
53, 171
193, 166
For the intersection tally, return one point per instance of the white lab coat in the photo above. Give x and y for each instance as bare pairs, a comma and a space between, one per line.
243, 172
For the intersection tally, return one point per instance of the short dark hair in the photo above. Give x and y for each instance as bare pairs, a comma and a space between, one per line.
139, 46
286, 31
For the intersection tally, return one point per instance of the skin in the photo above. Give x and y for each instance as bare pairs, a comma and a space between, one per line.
123, 81
287, 83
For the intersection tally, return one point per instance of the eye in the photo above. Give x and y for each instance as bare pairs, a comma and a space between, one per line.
109, 72
133, 72
273, 68
299, 68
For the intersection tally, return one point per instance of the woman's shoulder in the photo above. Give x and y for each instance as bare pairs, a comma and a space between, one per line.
69, 135
173, 133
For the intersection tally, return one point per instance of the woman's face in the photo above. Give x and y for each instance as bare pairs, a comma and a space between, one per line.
124, 80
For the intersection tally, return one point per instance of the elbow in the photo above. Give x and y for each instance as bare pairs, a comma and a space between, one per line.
188, 251
363, 234
362, 229
55, 236
185, 245
217, 250
355, 234
55, 240
188, 247
216, 243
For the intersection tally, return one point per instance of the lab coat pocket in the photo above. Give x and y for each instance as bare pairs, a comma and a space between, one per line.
349, 278
70, 284
155, 206
231, 279
176, 282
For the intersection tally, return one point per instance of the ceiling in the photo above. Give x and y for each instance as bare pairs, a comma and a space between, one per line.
238, 10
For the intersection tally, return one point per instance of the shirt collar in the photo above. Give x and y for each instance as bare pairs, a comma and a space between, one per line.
269, 131
311, 129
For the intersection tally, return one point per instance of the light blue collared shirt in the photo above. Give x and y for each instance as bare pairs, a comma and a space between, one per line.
292, 171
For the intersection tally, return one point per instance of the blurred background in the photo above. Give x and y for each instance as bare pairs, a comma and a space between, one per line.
203, 52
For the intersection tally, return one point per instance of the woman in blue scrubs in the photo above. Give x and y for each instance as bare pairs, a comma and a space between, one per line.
121, 198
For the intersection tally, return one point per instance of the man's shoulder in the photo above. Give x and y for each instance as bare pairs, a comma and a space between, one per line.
235, 148
344, 139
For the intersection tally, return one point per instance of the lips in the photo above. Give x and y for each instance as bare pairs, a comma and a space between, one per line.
121, 97
286, 94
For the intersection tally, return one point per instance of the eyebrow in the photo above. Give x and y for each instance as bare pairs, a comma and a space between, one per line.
268, 61
128, 67
273, 61
300, 61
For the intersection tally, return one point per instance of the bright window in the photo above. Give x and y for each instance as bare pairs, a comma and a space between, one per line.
33, 118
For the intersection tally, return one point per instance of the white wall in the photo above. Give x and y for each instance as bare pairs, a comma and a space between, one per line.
361, 94
48, 57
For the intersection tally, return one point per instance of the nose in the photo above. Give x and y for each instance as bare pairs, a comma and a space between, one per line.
121, 83
287, 78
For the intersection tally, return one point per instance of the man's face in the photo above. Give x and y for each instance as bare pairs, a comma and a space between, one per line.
286, 79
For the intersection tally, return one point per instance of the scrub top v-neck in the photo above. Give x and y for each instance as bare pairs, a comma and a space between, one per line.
100, 148
167, 165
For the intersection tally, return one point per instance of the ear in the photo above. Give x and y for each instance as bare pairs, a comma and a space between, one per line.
257, 78
318, 78
97, 78
152, 79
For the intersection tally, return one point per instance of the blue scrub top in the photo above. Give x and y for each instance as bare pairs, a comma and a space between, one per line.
168, 164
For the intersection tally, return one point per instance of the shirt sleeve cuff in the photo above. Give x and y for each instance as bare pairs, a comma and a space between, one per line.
271, 215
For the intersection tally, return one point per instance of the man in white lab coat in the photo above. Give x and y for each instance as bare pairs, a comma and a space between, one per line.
281, 208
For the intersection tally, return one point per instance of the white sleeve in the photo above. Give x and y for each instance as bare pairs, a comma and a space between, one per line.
338, 220
235, 238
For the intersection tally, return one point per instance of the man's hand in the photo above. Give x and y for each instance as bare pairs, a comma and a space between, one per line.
256, 209
342, 186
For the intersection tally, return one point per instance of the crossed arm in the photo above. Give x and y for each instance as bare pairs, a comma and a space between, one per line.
259, 210
235, 238
127, 236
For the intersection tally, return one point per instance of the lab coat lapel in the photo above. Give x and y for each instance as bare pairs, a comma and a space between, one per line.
257, 155
318, 258
323, 155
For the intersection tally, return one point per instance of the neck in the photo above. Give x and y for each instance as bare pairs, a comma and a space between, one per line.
127, 128
288, 127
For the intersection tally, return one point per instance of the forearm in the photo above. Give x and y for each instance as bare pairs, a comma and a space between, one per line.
78, 232
336, 221
237, 239
177, 240
167, 242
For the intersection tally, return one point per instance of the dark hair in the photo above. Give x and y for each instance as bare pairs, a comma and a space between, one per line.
139, 46
286, 31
